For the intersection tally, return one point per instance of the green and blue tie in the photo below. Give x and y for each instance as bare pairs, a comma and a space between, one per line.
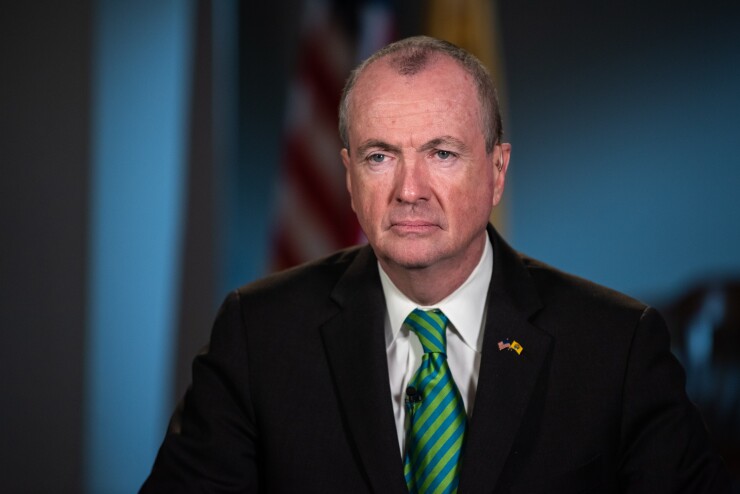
437, 420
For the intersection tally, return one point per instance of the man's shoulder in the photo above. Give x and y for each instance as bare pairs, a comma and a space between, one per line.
555, 289
298, 300
312, 280
559, 287
585, 317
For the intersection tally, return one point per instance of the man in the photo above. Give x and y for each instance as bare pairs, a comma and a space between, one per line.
513, 377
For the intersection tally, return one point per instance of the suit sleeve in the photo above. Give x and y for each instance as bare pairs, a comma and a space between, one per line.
215, 448
665, 444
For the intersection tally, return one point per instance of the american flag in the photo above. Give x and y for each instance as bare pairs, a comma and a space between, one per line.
314, 216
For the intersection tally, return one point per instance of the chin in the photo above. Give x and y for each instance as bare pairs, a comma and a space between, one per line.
411, 257
411, 264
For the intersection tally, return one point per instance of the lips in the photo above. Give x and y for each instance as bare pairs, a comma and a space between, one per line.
413, 226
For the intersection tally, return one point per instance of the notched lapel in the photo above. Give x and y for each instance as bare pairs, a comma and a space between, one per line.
506, 380
505, 385
355, 345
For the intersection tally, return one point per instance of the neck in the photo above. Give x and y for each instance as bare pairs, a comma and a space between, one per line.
429, 285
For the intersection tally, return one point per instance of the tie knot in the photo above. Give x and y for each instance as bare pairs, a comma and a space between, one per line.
429, 326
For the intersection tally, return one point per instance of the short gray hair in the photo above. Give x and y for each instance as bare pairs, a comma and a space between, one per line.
410, 56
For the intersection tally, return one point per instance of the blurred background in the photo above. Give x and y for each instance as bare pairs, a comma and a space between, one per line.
157, 154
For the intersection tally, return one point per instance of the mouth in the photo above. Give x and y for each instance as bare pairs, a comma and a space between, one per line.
408, 227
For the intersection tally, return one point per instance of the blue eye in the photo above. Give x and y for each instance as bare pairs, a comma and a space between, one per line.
377, 158
444, 155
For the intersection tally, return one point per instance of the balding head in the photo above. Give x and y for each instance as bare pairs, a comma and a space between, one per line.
411, 56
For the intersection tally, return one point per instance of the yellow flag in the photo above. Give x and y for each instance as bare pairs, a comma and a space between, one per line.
516, 347
473, 25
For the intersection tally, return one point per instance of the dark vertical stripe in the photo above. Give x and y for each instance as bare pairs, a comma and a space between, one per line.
196, 307
44, 163
267, 35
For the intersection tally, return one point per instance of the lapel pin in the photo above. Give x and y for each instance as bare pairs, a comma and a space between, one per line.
516, 347
510, 345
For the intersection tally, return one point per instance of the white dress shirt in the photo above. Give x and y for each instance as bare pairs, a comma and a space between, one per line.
465, 309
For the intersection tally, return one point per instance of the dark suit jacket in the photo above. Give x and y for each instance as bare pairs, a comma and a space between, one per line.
293, 395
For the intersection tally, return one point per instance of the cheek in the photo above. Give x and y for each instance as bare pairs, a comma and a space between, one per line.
369, 191
355, 188
364, 204
471, 202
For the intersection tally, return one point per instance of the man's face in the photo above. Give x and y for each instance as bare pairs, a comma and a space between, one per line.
421, 182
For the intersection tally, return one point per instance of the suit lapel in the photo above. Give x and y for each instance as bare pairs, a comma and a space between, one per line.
355, 345
506, 380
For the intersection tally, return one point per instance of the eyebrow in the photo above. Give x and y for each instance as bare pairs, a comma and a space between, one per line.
435, 143
444, 141
377, 144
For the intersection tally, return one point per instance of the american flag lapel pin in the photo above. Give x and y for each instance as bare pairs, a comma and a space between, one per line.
507, 344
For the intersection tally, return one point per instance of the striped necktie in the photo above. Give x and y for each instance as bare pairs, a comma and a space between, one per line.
436, 413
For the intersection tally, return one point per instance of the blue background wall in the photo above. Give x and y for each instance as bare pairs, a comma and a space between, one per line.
141, 100
140, 143
624, 123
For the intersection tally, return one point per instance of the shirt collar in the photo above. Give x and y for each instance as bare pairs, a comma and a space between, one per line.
464, 307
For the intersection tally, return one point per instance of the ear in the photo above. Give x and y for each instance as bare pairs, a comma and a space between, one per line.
501, 154
347, 175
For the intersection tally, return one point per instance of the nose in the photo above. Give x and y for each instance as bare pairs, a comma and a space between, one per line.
412, 181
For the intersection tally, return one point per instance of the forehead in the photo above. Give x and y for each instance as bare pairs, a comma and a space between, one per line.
441, 85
